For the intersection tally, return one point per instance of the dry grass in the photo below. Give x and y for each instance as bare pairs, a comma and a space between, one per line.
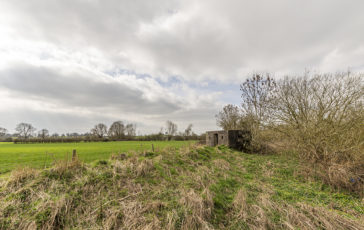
20, 175
299, 216
198, 210
191, 188
222, 164
337, 176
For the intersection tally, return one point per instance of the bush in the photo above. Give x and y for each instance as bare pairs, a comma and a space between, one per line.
323, 116
320, 116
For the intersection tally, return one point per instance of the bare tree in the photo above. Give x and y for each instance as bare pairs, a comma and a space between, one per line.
3, 132
257, 93
161, 131
323, 115
99, 130
117, 130
171, 128
43, 133
229, 117
188, 130
25, 130
130, 130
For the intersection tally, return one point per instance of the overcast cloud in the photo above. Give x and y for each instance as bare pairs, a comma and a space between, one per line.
66, 65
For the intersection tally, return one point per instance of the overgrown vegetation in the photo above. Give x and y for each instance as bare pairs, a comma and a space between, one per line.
319, 116
193, 187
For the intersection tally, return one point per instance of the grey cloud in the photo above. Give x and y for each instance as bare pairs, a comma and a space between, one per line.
193, 41
68, 98
80, 89
63, 122
103, 24
53, 121
204, 39
261, 35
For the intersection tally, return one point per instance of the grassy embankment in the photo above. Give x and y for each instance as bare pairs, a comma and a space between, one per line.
13, 156
188, 188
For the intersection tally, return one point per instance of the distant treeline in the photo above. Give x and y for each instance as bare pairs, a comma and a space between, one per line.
118, 131
152, 137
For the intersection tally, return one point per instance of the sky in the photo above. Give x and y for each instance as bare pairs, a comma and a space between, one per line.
66, 65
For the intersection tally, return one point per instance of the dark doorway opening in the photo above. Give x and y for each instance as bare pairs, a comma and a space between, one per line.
216, 139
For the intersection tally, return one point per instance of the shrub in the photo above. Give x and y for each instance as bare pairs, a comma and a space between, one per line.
320, 116
323, 116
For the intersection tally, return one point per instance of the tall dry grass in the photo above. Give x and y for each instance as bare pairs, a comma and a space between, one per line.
299, 216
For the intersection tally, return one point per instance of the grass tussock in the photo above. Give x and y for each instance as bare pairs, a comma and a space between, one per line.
20, 175
194, 187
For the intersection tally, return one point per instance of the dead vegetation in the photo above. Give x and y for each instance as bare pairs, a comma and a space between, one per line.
298, 216
318, 116
190, 188
323, 115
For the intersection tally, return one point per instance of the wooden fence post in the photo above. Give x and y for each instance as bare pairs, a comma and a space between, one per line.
74, 155
152, 147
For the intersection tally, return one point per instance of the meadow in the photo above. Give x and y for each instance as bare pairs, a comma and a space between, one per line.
13, 156
192, 187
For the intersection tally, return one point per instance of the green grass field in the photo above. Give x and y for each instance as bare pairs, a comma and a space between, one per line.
40, 155
193, 187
